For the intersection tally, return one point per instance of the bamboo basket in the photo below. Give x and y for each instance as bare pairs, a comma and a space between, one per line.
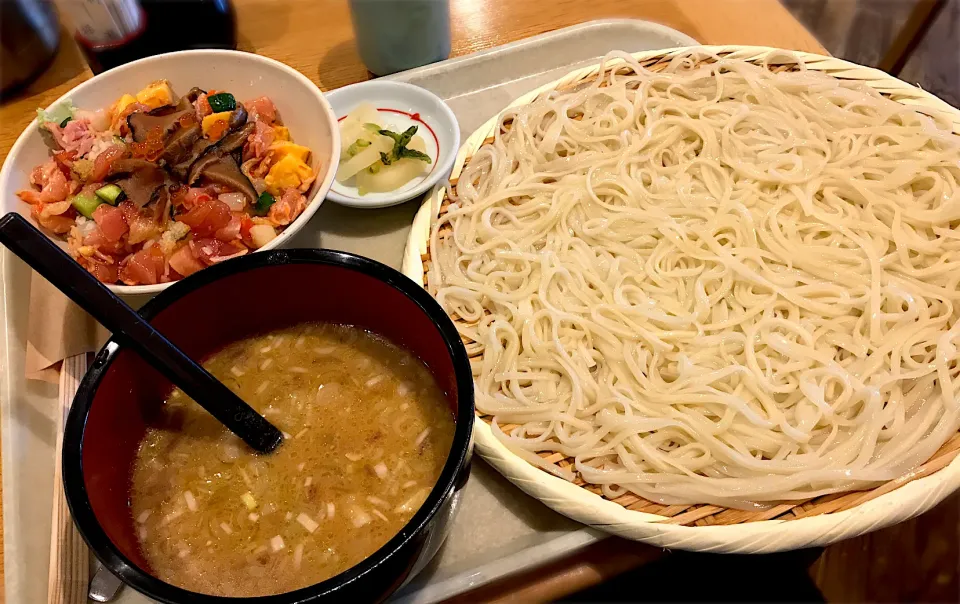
791, 525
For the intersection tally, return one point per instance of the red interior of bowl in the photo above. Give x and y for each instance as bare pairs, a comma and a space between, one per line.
206, 319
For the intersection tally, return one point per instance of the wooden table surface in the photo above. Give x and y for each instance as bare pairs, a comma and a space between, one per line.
316, 38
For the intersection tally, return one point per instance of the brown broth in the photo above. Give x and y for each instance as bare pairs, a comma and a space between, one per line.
367, 434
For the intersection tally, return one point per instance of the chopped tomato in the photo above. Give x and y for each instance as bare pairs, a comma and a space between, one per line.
111, 222
206, 218
145, 267
185, 262
101, 165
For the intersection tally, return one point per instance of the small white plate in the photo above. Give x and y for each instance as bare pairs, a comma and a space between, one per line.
400, 105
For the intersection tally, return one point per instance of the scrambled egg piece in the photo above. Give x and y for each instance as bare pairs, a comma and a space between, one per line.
211, 127
280, 150
289, 171
121, 104
156, 94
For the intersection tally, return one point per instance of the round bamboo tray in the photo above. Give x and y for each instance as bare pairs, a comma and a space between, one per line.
791, 525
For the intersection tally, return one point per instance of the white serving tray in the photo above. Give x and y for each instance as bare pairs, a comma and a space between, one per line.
499, 529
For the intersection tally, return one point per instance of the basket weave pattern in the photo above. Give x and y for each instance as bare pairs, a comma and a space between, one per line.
589, 506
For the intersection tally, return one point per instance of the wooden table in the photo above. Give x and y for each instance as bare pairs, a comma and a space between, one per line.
316, 38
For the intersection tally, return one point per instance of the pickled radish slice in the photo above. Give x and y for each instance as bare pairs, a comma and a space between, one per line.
365, 158
397, 174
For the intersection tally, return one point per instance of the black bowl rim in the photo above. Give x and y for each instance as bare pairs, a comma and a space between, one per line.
127, 571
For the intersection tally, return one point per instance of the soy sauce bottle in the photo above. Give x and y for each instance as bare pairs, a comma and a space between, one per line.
114, 32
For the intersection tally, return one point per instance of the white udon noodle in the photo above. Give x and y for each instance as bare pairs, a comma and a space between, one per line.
713, 283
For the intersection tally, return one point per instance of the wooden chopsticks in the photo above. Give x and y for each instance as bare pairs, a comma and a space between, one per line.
69, 559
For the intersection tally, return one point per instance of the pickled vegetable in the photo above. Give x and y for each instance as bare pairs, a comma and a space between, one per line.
375, 158
391, 177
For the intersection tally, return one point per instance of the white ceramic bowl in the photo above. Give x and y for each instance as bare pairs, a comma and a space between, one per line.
301, 105
401, 100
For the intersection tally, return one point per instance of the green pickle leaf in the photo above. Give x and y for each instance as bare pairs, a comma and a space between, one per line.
414, 154
407, 136
400, 142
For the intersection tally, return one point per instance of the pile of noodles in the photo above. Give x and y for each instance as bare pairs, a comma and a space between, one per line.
712, 283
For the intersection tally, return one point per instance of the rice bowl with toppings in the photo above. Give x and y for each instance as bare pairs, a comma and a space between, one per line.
84, 142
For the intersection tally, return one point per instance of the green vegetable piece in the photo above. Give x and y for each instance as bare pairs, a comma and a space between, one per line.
400, 142
222, 101
391, 134
85, 203
65, 122
263, 204
374, 167
401, 139
407, 136
60, 114
355, 147
111, 194
414, 154
372, 127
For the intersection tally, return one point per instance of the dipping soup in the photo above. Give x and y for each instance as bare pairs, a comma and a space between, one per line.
367, 431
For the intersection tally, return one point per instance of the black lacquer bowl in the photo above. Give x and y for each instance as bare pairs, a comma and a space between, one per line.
212, 308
